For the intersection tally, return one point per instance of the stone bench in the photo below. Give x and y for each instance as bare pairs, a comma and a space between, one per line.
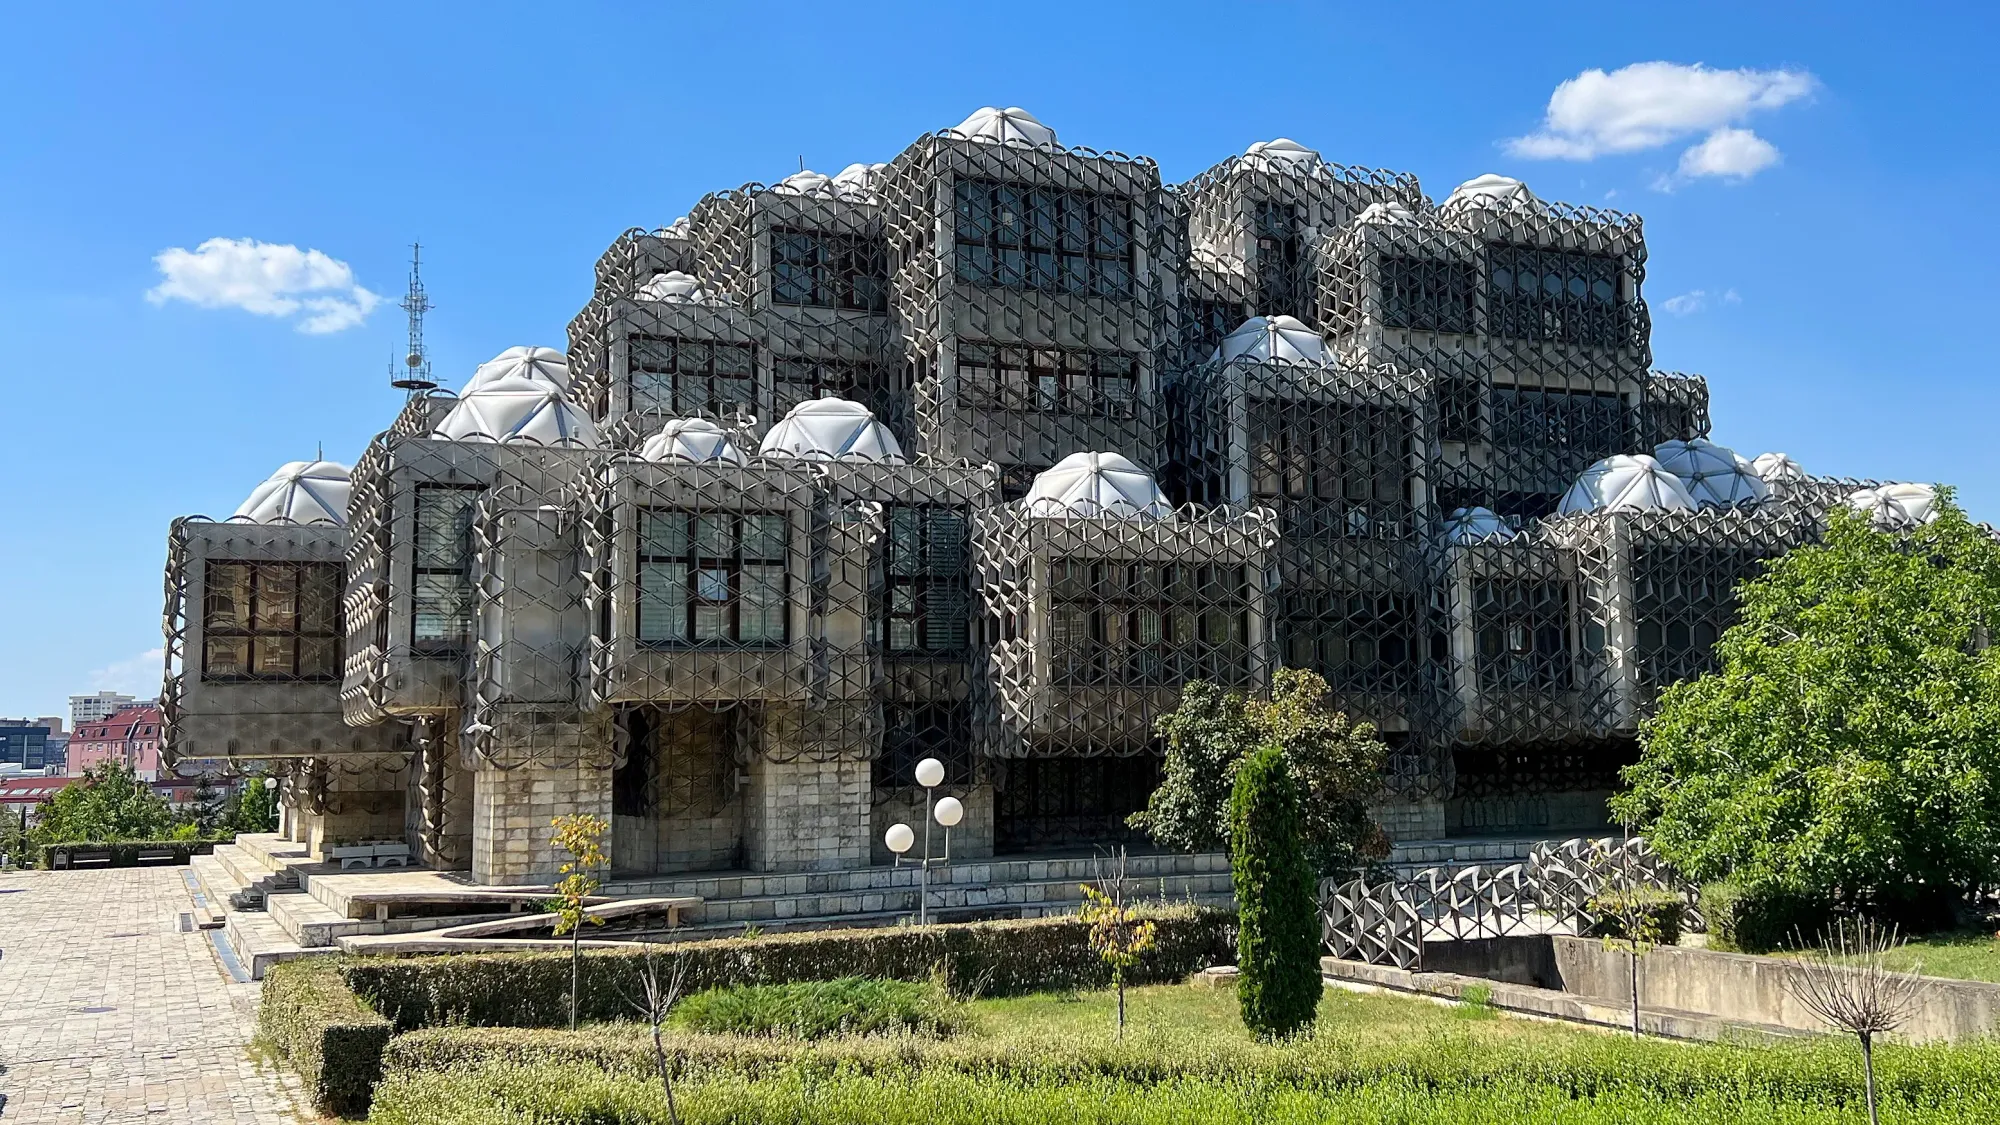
376, 854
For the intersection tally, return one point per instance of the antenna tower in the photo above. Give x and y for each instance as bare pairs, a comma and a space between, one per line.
416, 374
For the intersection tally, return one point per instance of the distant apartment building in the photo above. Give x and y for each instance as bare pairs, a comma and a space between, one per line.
91, 708
130, 735
24, 746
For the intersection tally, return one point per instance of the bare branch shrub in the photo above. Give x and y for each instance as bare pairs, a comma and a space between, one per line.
1846, 981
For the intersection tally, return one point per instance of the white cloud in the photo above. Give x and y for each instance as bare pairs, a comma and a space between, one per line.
136, 675
1729, 297
265, 278
1692, 301
1650, 104
1735, 154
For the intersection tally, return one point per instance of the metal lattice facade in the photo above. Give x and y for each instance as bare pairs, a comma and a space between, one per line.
641, 579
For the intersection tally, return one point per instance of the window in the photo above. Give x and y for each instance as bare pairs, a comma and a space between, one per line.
1428, 295
1280, 250
688, 377
712, 578
834, 271
1357, 641
1353, 460
271, 621
927, 598
1204, 325
441, 618
1556, 296
1012, 236
914, 731
1522, 631
1684, 600
1047, 381
1147, 623
1592, 424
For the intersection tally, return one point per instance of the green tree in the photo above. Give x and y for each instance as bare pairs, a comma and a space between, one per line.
582, 837
1336, 763
1848, 746
1277, 938
108, 803
255, 808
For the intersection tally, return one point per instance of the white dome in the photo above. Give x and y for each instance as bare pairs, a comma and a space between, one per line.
1491, 192
1626, 483
673, 287
1012, 125
1896, 507
1474, 525
1387, 213
859, 180
691, 439
301, 492
805, 182
1268, 338
517, 408
545, 365
1778, 468
676, 229
1097, 484
832, 429
1284, 154
1715, 475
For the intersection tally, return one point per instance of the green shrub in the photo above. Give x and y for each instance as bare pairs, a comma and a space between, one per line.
1277, 944
991, 958
817, 1009
1664, 909
125, 853
1747, 919
313, 1021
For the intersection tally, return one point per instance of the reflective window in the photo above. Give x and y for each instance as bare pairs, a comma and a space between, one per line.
271, 621
712, 578
441, 614
927, 598
1013, 236
683, 378
835, 271
1047, 380
1429, 296
1557, 296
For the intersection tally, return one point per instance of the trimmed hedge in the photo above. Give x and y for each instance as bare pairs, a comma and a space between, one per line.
817, 1009
1745, 919
312, 1019
125, 853
1666, 909
989, 958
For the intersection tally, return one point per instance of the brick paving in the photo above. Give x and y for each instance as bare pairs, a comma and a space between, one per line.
109, 1012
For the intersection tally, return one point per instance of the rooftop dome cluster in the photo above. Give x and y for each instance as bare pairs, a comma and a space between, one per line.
520, 395
1012, 125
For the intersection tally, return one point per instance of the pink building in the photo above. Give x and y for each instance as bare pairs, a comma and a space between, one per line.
129, 734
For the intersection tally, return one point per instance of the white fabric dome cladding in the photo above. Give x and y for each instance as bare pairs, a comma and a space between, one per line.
1896, 507
301, 492
832, 429
1271, 338
1283, 153
1386, 213
1715, 475
674, 288
1097, 484
544, 364
1778, 468
1491, 192
1012, 125
1626, 483
515, 408
691, 439
1475, 525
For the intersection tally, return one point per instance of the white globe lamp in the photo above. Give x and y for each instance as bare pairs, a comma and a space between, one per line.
899, 838
950, 812
930, 773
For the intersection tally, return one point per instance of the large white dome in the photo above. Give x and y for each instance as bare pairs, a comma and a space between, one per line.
301, 492
859, 181
1896, 507
515, 408
1012, 125
543, 364
1269, 338
1474, 525
1097, 484
691, 439
1778, 468
1283, 154
674, 288
1626, 483
1715, 475
1492, 193
832, 429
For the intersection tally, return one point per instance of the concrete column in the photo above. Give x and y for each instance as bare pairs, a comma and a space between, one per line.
807, 815
513, 840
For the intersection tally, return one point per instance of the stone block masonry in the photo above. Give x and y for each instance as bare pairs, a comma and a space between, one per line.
512, 814
806, 815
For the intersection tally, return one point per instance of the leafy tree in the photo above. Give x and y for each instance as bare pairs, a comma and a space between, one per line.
108, 803
1337, 764
255, 808
211, 805
1848, 746
1277, 938
582, 837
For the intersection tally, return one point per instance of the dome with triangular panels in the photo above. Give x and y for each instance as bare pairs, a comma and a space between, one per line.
1097, 485
1626, 483
1491, 192
832, 429
1012, 125
674, 288
301, 492
545, 365
1386, 213
1715, 475
1266, 339
691, 439
1895, 507
1778, 468
1474, 525
1283, 154
515, 408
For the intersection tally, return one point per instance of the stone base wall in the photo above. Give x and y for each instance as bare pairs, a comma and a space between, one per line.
513, 840
806, 815
972, 839
1411, 820
670, 844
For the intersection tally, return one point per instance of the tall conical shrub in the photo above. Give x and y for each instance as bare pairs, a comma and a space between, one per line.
1277, 944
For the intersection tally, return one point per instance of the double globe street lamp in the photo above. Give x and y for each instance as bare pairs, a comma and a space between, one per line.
947, 811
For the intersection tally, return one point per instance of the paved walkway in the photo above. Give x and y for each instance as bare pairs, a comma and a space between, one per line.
109, 1012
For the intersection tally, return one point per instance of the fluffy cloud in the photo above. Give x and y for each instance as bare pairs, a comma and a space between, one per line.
1693, 301
1651, 104
265, 278
135, 675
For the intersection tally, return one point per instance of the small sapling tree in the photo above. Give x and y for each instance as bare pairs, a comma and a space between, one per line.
658, 991
1117, 933
583, 838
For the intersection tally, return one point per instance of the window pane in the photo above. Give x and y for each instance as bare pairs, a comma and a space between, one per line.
764, 537
762, 617
444, 526
715, 537
225, 657
663, 535
227, 605
443, 609
662, 601
319, 598
319, 657
711, 584
275, 598
711, 622
272, 656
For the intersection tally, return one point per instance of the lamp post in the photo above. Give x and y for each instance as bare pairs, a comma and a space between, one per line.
947, 811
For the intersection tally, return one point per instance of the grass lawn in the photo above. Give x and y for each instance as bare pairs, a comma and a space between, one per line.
1964, 956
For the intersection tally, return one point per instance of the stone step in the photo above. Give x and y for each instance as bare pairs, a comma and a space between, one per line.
256, 879
211, 907
259, 942
731, 885
313, 925
1062, 894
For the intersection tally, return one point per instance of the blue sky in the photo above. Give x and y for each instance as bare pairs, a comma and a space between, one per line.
1845, 287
